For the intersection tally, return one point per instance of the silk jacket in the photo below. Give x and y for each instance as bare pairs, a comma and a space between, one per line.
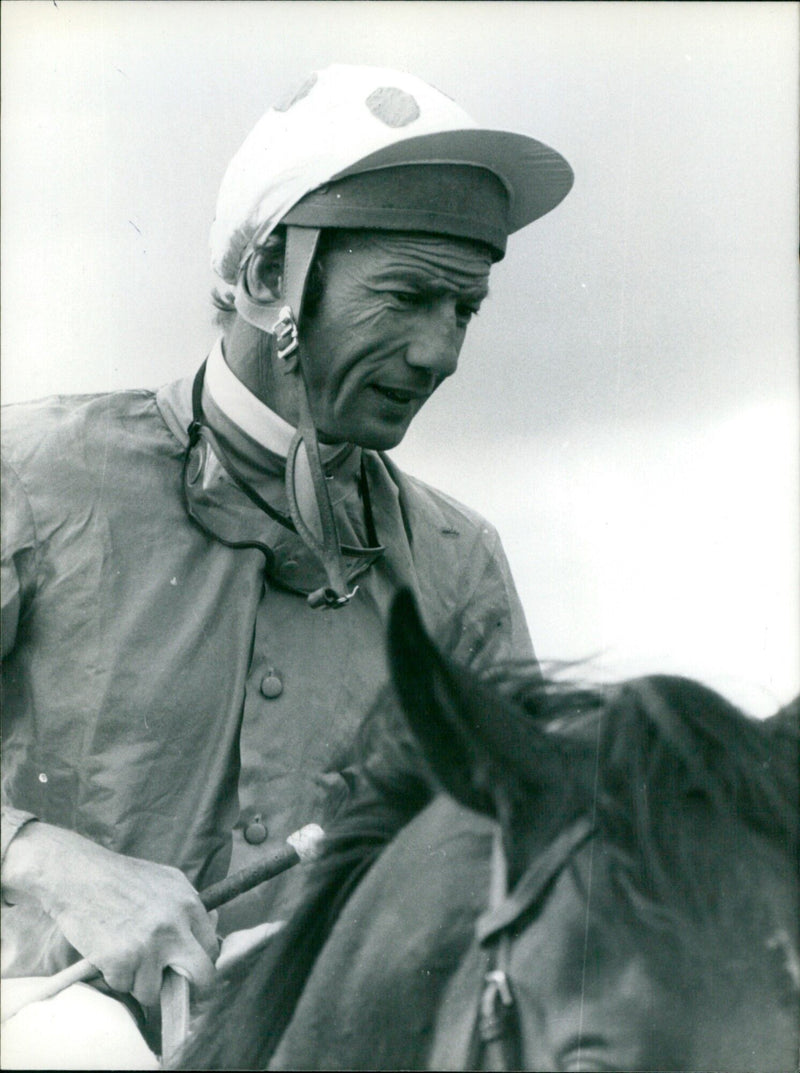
163, 698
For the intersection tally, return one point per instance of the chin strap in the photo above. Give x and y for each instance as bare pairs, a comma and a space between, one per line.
301, 245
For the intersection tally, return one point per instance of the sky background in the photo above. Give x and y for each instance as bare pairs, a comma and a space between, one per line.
626, 410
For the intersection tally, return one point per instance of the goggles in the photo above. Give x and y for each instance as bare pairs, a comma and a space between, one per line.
223, 503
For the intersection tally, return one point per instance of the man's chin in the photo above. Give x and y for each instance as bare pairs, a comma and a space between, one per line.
380, 438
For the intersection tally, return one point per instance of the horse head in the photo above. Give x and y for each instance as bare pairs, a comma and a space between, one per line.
650, 914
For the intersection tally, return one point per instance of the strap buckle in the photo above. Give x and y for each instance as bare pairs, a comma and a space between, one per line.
497, 986
496, 1008
285, 331
330, 598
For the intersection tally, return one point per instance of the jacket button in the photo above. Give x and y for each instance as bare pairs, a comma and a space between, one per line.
255, 833
271, 686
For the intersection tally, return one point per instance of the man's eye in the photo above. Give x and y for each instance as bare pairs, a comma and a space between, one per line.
407, 298
465, 312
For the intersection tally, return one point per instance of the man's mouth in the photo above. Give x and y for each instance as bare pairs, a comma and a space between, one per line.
398, 395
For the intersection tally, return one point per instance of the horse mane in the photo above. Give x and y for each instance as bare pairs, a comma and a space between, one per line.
661, 728
686, 788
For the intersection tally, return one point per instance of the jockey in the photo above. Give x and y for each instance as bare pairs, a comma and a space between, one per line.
196, 580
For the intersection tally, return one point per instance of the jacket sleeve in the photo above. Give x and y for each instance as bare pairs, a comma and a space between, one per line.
16, 554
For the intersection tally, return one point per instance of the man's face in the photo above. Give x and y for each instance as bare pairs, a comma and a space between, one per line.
387, 330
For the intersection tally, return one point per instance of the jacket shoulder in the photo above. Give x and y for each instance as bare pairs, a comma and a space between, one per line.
49, 430
462, 578
430, 506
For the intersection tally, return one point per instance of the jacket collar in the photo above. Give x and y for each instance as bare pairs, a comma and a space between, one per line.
248, 412
259, 436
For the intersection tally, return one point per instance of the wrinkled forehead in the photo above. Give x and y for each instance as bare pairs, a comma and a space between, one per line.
385, 253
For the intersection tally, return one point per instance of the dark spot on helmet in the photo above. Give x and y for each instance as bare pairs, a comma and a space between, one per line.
285, 103
393, 106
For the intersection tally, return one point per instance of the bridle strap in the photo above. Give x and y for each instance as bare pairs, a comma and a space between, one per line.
497, 1041
498, 1036
544, 867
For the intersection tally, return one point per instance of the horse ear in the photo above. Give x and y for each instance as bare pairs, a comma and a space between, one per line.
425, 689
475, 741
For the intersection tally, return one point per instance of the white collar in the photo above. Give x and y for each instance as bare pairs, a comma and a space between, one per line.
244, 409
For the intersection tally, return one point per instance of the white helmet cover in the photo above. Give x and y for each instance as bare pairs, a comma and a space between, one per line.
345, 120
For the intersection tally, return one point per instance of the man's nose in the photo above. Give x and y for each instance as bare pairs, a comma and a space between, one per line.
436, 341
